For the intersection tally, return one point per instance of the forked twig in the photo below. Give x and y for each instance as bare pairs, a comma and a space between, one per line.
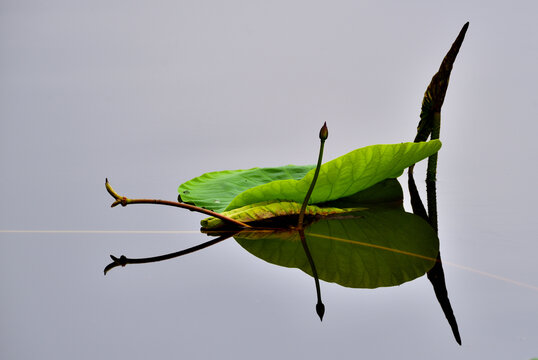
124, 201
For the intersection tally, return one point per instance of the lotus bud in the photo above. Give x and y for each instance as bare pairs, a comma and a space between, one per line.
324, 132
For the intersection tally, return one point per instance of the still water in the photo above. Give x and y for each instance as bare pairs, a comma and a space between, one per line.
151, 97
224, 302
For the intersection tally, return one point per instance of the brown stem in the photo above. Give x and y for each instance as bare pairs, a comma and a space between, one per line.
124, 201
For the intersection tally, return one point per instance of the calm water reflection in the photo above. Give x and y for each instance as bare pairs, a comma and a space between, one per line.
151, 95
379, 246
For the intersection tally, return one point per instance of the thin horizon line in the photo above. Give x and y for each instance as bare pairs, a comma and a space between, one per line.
449, 263
99, 232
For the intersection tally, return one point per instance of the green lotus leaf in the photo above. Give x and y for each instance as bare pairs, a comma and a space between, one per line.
385, 193
271, 210
215, 190
343, 176
381, 247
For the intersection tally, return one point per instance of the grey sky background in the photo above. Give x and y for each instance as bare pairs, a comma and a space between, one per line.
151, 94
